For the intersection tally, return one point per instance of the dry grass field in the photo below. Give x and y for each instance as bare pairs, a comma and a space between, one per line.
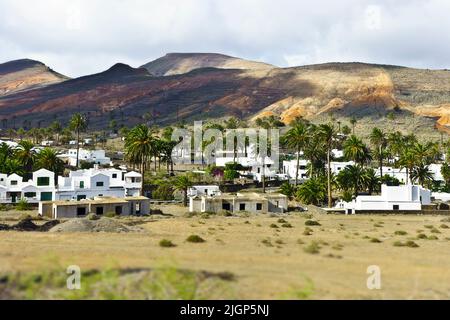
270, 258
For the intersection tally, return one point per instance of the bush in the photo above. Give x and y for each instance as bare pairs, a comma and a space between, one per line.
312, 248
166, 243
274, 226
308, 231
282, 221
93, 217
375, 240
23, 205
312, 223
195, 239
267, 242
163, 192
110, 215
433, 238
444, 226
400, 233
422, 236
286, 225
409, 243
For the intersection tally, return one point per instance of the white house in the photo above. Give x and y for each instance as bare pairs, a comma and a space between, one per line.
91, 156
82, 184
290, 168
257, 166
40, 188
392, 198
91, 183
197, 191
240, 202
399, 174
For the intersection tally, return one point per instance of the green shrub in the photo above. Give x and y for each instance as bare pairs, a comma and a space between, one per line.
375, 240
444, 226
312, 223
398, 244
166, 243
163, 192
434, 230
312, 248
281, 221
286, 225
300, 241
429, 226
110, 215
422, 236
411, 244
195, 239
308, 231
267, 243
433, 237
274, 226
400, 233
93, 217
23, 205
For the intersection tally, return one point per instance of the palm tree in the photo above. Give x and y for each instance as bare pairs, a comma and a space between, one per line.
48, 159
328, 134
138, 148
313, 191
78, 124
26, 153
353, 122
288, 190
183, 183
378, 141
296, 138
351, 178
356, 150
56, 129
422, 174
408, 160
372, 182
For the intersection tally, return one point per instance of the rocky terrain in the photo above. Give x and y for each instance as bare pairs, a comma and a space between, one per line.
211, 86
26, 74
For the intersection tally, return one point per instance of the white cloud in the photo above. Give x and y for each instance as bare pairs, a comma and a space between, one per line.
78, 37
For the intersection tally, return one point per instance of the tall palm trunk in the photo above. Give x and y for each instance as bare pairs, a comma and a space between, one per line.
298, 164
381, 164
330, 200
142, 174
78, 147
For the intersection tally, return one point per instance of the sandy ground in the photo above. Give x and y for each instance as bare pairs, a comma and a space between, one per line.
264, 271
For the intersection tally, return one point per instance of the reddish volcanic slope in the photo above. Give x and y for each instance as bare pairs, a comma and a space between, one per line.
26, 74
247, 91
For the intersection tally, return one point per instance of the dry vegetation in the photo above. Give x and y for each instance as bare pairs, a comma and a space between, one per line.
328, 261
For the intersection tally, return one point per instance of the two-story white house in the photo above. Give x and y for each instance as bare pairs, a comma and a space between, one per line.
40, 188
79, 185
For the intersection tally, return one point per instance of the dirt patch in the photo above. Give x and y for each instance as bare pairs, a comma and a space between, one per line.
28, 225
101, 225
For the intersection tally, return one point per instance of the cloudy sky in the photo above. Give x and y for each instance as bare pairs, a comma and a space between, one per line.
78, 37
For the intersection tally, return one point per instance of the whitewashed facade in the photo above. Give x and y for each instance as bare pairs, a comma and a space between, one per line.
197, 191
392, 198
91, 156
82, 184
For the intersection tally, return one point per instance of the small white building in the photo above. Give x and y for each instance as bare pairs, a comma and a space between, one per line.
392, 198
91, 156
240, 202
257, 166
290, 169
198, 191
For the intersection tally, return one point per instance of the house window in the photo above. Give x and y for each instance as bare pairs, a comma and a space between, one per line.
81, 212
226, 206
81, 184
396, 207
30, 194
100, 184
242, 207
114, 175
137, 208
99, 211
259, 206
14, 182
43, 181
46, 196
206, 191
118, 210
81, 197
